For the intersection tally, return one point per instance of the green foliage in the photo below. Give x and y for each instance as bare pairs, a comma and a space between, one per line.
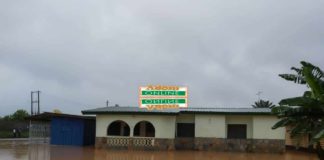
9, 134
19, 115
7, 118
57, 111
263, 104
304, 114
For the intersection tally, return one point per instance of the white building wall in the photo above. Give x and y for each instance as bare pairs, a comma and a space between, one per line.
258, 127
262, 128
185, 118
210, 126
164, 124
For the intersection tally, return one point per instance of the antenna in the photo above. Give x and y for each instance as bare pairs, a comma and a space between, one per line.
259, 94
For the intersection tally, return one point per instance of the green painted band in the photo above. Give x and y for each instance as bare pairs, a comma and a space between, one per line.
163, 101
163, 93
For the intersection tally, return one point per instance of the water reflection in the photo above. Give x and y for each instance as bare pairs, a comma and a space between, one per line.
39, 151
70, 153
13, 150
22, 150
197, 155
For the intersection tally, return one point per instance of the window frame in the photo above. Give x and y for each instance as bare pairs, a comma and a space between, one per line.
238, 135
190, 125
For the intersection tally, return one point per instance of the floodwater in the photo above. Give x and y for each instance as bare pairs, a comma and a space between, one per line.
22, 150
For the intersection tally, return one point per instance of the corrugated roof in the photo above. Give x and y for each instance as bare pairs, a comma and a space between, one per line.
197, 110
227, 110
129, 110
47, 116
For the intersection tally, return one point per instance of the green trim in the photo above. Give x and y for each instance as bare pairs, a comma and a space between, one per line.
163, 93
163, 101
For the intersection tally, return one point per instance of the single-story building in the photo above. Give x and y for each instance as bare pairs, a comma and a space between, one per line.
303, 142
63, 129
219, 129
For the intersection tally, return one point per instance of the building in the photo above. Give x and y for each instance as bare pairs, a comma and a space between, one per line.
301, 142
63, 129
219, 129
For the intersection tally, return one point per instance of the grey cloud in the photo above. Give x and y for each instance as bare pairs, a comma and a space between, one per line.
80, 53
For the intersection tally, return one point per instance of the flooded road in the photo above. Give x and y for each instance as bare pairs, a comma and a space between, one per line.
22, 150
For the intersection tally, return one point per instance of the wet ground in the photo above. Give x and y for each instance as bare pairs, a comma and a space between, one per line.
22, 150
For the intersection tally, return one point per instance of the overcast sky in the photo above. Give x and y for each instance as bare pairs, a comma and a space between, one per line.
81, 53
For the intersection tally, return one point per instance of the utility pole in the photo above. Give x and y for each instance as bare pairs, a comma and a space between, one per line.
107, 102
33, 102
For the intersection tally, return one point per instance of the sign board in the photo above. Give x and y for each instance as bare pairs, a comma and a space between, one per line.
163, 97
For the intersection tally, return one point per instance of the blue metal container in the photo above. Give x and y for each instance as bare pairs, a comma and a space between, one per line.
72, 131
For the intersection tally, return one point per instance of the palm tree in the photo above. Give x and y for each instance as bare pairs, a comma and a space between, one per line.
304, 114
263, 104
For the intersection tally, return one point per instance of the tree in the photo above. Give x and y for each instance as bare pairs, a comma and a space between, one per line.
304, 114
57, 111
7, 118
19, 115
263, 104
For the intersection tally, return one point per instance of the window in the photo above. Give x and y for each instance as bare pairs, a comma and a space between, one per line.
236, 131
185, 130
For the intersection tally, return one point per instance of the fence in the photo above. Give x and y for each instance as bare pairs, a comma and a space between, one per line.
39, 139
120, 141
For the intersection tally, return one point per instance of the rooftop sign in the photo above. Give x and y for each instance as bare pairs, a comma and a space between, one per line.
163, 97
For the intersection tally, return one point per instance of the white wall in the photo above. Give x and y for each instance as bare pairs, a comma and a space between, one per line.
258, 127
210, 126
185, 118
262, 128
238, 119
164, 125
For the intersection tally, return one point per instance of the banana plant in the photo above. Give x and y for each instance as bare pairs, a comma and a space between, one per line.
304, 114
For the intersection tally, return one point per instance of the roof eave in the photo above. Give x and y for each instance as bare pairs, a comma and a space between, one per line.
229, 113
181, 112
127, 113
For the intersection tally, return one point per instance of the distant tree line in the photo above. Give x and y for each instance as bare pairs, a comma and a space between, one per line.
19, 115
15, 122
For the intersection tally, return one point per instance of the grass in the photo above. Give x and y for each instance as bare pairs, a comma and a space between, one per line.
9, 134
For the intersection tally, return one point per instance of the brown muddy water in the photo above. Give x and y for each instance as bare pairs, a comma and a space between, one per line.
22, 150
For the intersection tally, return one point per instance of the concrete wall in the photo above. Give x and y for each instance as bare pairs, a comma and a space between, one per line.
185, 118
262, 128
164, 125
241, 120
210, 126
258, 127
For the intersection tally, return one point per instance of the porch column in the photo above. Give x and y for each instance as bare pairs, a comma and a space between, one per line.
142, 129
131, 130
122, 129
